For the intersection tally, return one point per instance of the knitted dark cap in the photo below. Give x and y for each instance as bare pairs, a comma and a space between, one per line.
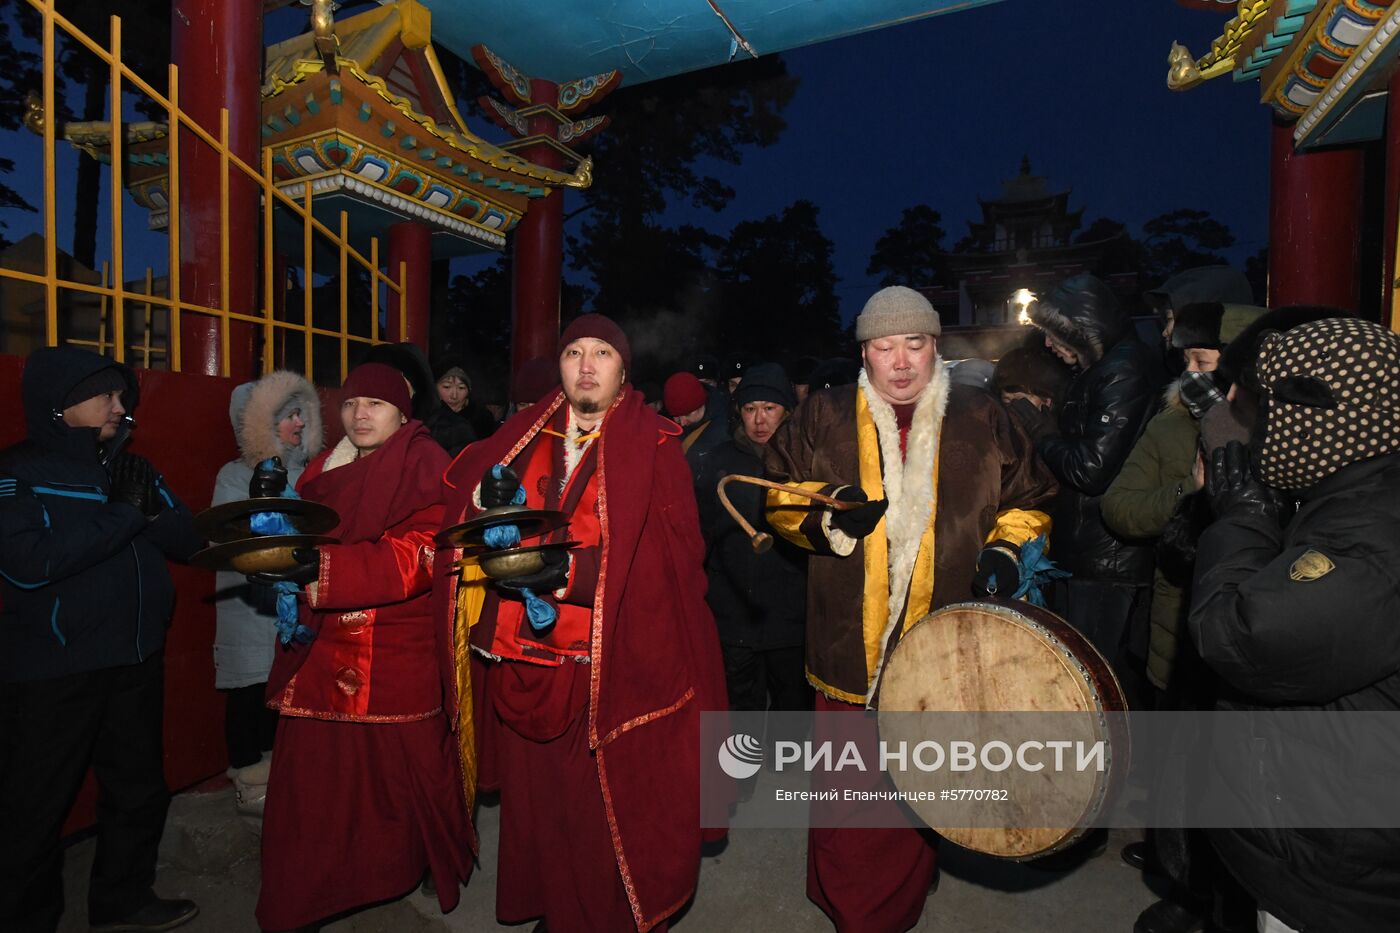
765, 382
599, 327
381, 381
99, 383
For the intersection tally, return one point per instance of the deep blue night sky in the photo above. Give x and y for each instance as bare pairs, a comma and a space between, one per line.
939, 111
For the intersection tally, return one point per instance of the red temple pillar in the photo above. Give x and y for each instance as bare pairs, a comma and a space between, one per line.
412, 244
538, 250
1390, 296
1314, 224
218, 47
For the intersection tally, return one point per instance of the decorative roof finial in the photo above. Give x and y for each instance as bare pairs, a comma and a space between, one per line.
1026, 164
323, 28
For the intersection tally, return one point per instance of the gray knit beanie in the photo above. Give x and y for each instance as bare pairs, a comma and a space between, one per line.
896, 310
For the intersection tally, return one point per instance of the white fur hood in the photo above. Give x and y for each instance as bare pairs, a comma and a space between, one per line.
256, 407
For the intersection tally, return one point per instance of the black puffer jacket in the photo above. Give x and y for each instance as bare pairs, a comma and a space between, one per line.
1284, 631
759, 600
83, 581
1110, 401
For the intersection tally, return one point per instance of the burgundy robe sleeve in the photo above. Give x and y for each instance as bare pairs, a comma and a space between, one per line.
392, 569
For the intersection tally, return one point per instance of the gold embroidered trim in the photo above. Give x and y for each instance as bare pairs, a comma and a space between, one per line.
649, 717
351, 717
595, 650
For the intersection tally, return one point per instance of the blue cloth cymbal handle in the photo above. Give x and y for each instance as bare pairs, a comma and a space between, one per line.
289, 627
274, 523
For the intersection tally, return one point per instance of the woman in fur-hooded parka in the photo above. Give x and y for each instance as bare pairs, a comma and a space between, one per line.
245, 634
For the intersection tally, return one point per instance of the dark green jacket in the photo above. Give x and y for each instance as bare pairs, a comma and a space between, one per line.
1138, 505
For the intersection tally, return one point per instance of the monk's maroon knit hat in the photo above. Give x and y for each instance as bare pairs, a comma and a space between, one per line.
377, 380
599, 327
683, 394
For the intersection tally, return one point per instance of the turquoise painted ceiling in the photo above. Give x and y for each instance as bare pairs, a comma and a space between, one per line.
649, 39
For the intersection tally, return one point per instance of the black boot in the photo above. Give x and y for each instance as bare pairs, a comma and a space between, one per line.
1169, 917
159, 914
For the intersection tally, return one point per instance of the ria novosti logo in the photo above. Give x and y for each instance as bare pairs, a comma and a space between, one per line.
741, 756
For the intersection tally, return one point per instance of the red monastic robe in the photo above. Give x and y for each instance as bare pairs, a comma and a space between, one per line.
365, 792
597, 762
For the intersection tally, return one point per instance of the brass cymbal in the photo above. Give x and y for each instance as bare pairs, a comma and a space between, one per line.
258, 554
532, 522
229, 522
504, 563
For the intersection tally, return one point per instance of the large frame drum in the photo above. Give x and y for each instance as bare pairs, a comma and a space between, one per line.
998, 656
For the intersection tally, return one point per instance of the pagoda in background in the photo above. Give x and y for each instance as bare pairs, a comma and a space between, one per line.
1024, 240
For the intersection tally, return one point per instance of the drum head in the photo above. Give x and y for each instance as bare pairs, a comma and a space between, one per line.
1005, 657
994, 657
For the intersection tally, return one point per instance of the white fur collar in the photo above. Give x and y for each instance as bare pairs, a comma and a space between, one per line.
344, 452
909, 488
573, 451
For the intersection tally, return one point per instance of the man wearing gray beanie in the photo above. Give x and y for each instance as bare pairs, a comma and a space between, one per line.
935, 467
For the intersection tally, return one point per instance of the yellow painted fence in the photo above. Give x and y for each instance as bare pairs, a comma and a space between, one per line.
115, 295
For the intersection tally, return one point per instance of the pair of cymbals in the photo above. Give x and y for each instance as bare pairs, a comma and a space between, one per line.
235, 546
232, 520
531, 522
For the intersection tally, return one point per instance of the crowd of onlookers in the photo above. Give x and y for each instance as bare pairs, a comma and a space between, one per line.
1223, 516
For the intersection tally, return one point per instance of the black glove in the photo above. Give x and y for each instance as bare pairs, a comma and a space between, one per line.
999, 560
306, 572
1034, 420
269, 479
134, 482
500, 491
553, 576
858, 522
1233, 488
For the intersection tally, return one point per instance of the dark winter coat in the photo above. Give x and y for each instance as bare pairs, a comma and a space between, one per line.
483, 423
718, 409
83, 581
759, 600
697, 442
450, 429
1105, 410
1282, 635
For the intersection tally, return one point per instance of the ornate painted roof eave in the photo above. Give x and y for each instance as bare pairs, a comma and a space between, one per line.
458, 137
363, 38
332, 182
1353, 82
1333, 32
1295, 48
95, 136
1185, 72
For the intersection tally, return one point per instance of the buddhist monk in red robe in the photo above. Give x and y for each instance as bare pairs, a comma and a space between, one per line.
365, 793
588, 717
